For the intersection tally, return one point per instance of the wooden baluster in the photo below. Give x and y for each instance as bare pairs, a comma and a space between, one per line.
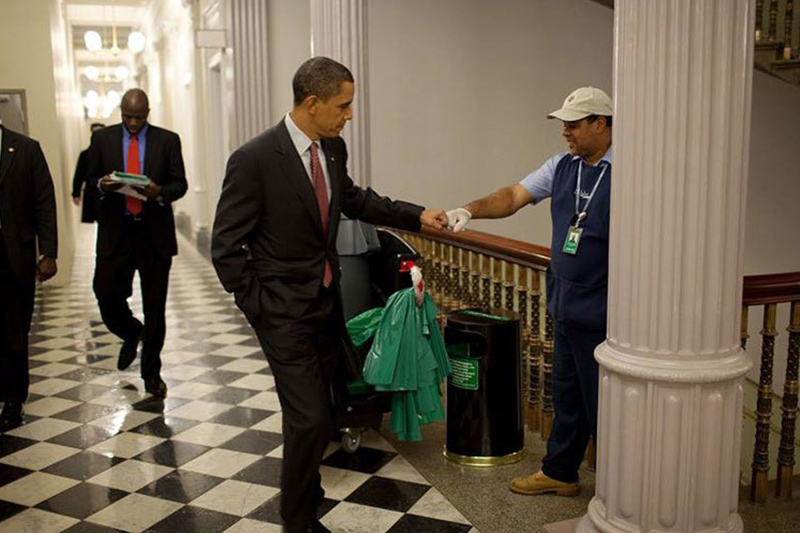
783, 487
455, 276
547, 374
436, 267
465, 292
773, 21
486, 280
510, 284
744, 326
475, 277
759, 20
497, 283
534, 354
447, 253
758, 482
787, 32
523, 308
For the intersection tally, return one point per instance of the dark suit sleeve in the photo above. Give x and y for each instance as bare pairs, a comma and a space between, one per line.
45, 212
370, 207
238, 214
80, 174
94, 164
175, 185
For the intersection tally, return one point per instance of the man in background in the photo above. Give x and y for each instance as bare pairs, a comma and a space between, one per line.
135, 234
27, 215
88, 204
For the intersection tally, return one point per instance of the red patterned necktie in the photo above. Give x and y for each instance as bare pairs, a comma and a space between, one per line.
134, 205
318, 177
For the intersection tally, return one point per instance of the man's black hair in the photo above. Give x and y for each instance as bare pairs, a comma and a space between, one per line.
321, 77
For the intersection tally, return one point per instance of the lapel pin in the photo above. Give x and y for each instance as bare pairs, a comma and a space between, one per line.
11, 149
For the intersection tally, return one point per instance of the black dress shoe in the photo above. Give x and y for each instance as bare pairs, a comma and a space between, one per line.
128, 352
13, 416
156, 387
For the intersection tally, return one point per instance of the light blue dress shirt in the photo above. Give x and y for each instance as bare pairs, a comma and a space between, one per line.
540, 182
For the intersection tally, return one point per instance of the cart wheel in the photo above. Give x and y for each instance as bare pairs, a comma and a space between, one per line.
351, 441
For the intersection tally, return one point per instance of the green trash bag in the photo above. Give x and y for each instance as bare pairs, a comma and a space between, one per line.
408, 357
362, 328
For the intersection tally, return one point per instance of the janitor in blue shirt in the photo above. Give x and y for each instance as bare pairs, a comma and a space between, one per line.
578, 182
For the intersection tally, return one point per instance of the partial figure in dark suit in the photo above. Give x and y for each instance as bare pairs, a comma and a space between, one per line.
134, 234
88, 203
274, 248
27, 214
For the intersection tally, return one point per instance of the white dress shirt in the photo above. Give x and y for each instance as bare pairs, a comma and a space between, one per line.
303, 146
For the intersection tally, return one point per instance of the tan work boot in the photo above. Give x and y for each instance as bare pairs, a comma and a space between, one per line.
539, 483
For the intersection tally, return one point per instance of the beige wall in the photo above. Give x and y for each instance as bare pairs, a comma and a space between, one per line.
27, 61
459, 91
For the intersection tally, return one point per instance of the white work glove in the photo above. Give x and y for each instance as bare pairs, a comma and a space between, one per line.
457, 219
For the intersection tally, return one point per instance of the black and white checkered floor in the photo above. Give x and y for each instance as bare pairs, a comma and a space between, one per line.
97, 454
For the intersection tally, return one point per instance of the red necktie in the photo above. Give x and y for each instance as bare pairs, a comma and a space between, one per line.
318, 177
134, 205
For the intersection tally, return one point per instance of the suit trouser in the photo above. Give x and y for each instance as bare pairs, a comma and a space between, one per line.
575, 375
16, 311
113, 285
303, 357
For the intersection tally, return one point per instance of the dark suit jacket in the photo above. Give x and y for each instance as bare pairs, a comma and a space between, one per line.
89, 204
163, 164
27, 204
268, 245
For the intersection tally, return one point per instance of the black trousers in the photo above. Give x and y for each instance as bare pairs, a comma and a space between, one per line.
303, 357
575, 389
113, 285
16, 311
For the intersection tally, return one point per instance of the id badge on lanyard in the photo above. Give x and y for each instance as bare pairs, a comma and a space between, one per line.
574, 232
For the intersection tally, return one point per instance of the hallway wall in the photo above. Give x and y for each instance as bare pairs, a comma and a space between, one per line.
34, 57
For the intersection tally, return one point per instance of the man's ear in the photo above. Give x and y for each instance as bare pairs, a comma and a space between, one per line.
311, 104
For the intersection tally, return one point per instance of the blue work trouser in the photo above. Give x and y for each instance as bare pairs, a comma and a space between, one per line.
575, 376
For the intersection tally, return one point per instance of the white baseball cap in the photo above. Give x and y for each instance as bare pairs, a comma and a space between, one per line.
582, 103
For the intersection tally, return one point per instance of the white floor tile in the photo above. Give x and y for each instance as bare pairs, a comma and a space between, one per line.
49, 406
355, 518
35, 488
209, 434
130, 476
134, 513
199, 410
123, 420
126, 445
235, 497
399, 468
245, 525
434, 505
266, 400
39, 456
43, 429
221, 463
339, 484
193, 391
37, 521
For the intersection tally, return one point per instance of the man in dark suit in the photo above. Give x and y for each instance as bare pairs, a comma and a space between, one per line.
88, 204
136, 233
274, 248
27, 213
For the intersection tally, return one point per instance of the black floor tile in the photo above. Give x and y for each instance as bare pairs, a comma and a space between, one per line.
269, 511
8, 509
82, 500
85, 393
194, 519
388, 494
218, 377
88, 527
9, 474
172, 453
152, 404
415, 524
243, 417
84, 436
165, 427
198, 335
229, 395
181, 486
366, 460
9, 444
255, 442
89, 359
83, 465
265, 471
87, 412
207, 361
85, 374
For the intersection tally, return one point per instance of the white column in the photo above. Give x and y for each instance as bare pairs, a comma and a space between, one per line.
670, 371
339, 31
249, 41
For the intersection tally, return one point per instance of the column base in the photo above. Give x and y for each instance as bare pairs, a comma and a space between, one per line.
594, 521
